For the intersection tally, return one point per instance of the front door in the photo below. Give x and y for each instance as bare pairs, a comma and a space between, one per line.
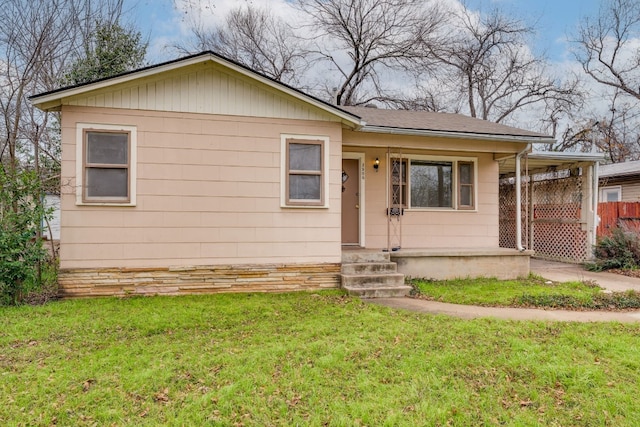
350, 202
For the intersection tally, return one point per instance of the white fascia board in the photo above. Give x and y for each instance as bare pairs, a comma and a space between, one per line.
565, 156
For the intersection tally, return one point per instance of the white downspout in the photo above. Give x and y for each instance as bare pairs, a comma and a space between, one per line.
596, 218
519, 199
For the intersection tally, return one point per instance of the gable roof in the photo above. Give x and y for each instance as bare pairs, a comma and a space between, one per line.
444, 124
620, 169
358, 118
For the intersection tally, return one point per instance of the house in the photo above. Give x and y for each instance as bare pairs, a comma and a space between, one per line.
201, 175
51, 227
620, 182
619, 197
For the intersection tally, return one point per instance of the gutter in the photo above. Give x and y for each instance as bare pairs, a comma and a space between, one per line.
451, 134
519, 198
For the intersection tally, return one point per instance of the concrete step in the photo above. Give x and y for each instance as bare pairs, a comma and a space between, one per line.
357, 256
370, 268
370, 280
380, 291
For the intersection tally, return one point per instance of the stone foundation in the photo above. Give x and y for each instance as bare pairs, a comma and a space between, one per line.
75, 283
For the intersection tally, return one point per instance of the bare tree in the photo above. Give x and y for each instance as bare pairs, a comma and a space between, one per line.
35, 49
361, 37
37, 40
606, 46
486, 59
616, 133
31, 48
258, 39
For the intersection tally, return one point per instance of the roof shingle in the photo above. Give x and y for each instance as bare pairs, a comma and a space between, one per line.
430, 121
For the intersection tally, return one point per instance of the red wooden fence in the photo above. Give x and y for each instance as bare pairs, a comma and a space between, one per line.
618, 214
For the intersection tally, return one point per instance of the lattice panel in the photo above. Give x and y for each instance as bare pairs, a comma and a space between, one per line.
561, 241
557, 231
507, 213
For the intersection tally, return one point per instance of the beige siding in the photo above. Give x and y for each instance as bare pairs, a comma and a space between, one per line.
203, 88
446, 228
631, 192
208, 193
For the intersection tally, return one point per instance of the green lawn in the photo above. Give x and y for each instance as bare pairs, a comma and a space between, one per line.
529, 292
306, 359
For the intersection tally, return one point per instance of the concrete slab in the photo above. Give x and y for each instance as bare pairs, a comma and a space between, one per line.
565, 272
554, 271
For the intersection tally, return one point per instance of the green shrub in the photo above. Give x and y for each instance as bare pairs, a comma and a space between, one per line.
21, 253
620, 250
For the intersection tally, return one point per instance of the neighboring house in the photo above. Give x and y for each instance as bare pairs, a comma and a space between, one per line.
620, 182
200, 175
619, 197
51, 227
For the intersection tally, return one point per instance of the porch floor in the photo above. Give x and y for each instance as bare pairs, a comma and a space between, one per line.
451, 263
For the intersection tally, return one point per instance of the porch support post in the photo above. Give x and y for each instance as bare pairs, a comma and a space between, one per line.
531, 213
589, 208
519, 198
596, 194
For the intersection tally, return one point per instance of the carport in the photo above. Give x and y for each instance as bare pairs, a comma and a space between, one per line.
556, 207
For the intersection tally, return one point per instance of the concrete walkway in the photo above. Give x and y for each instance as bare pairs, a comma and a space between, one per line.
564, 272
554, 271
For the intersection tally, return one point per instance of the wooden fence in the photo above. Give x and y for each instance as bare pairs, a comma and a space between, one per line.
618, 214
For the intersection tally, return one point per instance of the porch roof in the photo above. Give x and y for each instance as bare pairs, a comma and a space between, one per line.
543, 161
619, 170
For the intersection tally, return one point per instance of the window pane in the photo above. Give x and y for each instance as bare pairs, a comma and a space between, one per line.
465, 173
398, 177
305, 157
107, 182
107, 147
466, 198
612, 196
304, 187
430, 184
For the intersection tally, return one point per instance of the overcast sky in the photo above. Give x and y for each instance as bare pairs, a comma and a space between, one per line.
165, 25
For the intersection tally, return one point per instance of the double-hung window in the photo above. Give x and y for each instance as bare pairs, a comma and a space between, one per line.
305, 175
435, 183
106, 169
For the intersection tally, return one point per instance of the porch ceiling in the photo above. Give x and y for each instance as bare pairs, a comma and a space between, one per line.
547, 160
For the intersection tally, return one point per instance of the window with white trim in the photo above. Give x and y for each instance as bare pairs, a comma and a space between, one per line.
305, 174
435, 182
106, 164
611, 194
